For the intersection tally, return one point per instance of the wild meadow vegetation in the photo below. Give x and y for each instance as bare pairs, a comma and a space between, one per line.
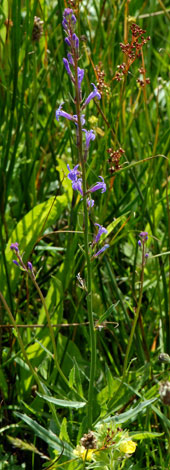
84, 235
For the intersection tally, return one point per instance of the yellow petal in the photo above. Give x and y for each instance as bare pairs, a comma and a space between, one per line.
128, 447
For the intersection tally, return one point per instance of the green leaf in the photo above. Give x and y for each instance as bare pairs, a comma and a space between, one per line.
63, 403
72, 377
145, 435
63, 431
130, 414
46, 435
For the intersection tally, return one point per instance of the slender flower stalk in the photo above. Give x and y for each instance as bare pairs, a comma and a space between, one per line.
79, 182
86, 243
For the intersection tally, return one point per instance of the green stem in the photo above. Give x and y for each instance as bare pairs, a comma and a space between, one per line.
32, 370
88, 263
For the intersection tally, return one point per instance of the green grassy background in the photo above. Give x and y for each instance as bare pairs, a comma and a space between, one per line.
37, 208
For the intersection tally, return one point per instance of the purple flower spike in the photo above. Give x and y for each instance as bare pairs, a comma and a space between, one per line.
77, 185
59, 113
80, 73
15, 262
30, 267
99, 185
72, 175
94, 94
14, 246
101, 251
90, 202
101, 230
67, 67
90, 135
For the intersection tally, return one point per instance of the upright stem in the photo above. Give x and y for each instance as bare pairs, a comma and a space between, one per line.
86, 244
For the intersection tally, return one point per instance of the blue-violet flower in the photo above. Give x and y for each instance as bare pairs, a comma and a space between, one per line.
14, 246
70, 58
101, 230
77, 185
76, 40
80, 75
90, 135
15, 262
144, 236
99, 185
30, 267
102, 250
60, 113
94, 94
90, 202
72, 175
67, 67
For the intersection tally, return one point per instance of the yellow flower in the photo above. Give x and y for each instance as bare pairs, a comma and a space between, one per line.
83, 453
128, 447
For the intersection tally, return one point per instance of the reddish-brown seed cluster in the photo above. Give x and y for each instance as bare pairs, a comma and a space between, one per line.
101, 85
131, 50
143, 81
114, 157
108, 441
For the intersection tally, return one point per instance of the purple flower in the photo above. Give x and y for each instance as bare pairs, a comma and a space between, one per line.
67, 12
90, 202
67, 67
81, 118
94, 94
80, 75
101, 251
64, 24
70, 58
77, 185
90, 135
101, 230
76, 40
59, 113
14, 246
144, 236
29, 264
73, 19
15, 262
146, 255
99, 185
139, 243
67, 40
72, 175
